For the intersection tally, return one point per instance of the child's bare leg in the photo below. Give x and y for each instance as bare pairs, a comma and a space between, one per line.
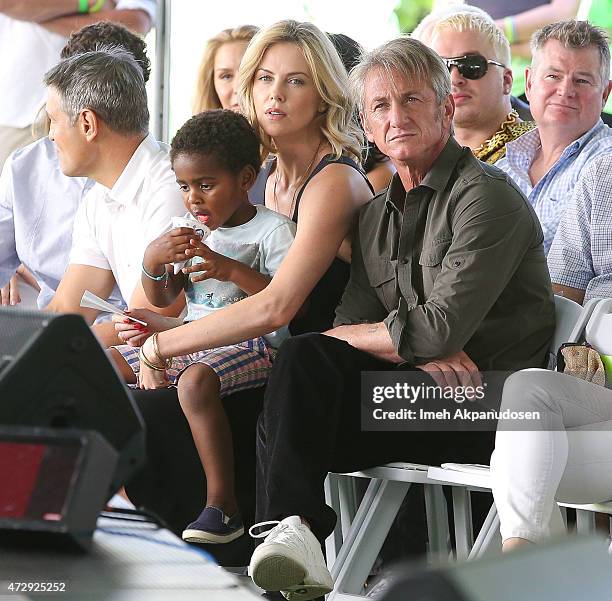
198, 392
121, 364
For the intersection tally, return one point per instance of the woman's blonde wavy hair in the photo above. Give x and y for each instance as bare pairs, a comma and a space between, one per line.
338, 123
205, 96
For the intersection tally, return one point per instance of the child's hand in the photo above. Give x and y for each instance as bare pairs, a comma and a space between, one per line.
169, 247
214, 266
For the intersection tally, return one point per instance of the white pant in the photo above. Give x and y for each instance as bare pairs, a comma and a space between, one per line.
569, 460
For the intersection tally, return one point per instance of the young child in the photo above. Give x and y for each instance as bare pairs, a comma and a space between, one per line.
216, 157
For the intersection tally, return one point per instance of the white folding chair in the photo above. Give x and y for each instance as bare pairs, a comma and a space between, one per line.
342, 496
465, 479
364, 537
571, 320
469, 478
599, 327
598, 333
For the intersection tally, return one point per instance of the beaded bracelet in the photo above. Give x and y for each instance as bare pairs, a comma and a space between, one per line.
155, 278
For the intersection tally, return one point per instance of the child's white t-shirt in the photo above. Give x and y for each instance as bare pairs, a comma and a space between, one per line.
260, 243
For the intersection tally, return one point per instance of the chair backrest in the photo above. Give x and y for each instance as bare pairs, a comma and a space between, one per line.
599, 327
567, 315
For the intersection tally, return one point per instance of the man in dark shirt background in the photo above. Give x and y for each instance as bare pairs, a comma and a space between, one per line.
448, 274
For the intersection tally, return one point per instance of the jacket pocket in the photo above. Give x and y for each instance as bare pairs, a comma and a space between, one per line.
431, 260
433, 254
382, 278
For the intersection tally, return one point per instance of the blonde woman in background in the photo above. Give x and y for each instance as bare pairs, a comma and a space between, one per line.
218, 82
218, 71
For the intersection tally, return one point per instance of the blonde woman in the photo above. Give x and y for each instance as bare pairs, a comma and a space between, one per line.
293, 89
218, 71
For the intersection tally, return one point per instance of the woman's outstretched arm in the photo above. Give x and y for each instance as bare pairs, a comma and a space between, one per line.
327, 209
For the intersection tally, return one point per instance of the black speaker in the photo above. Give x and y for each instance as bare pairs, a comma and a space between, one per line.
54, 374
53, 485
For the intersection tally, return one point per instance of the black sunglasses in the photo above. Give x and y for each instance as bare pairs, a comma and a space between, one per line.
471, 66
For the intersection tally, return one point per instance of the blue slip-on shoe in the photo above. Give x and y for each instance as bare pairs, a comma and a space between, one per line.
213, 526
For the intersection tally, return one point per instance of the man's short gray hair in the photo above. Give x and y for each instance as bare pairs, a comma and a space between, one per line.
408, 56
109, 82
574, 34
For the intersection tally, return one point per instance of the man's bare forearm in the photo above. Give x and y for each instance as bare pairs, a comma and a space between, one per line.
137, 21
574, 294
64, 306
371, 338
38, 11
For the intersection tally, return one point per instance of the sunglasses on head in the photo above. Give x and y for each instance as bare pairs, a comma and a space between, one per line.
471, 66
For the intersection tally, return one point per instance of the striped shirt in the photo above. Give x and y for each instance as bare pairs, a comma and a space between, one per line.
550, 196
581, 253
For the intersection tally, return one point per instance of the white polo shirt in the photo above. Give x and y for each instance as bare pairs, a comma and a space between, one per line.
28, 51
112, 228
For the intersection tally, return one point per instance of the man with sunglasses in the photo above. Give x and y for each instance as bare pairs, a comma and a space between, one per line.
476, 53
568, 84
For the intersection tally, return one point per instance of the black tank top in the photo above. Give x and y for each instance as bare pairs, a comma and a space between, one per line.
324, 298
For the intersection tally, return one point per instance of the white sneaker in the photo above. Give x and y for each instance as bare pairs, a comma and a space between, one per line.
290, 560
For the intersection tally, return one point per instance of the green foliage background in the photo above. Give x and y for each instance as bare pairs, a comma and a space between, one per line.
410, 12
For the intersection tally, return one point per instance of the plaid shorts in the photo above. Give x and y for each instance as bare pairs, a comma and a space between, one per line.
238, 366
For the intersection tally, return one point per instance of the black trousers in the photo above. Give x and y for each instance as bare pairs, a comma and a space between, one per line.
172, 483
311, 425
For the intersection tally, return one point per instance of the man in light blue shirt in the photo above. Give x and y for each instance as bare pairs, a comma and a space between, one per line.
580, 258
37, 208
567, 85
